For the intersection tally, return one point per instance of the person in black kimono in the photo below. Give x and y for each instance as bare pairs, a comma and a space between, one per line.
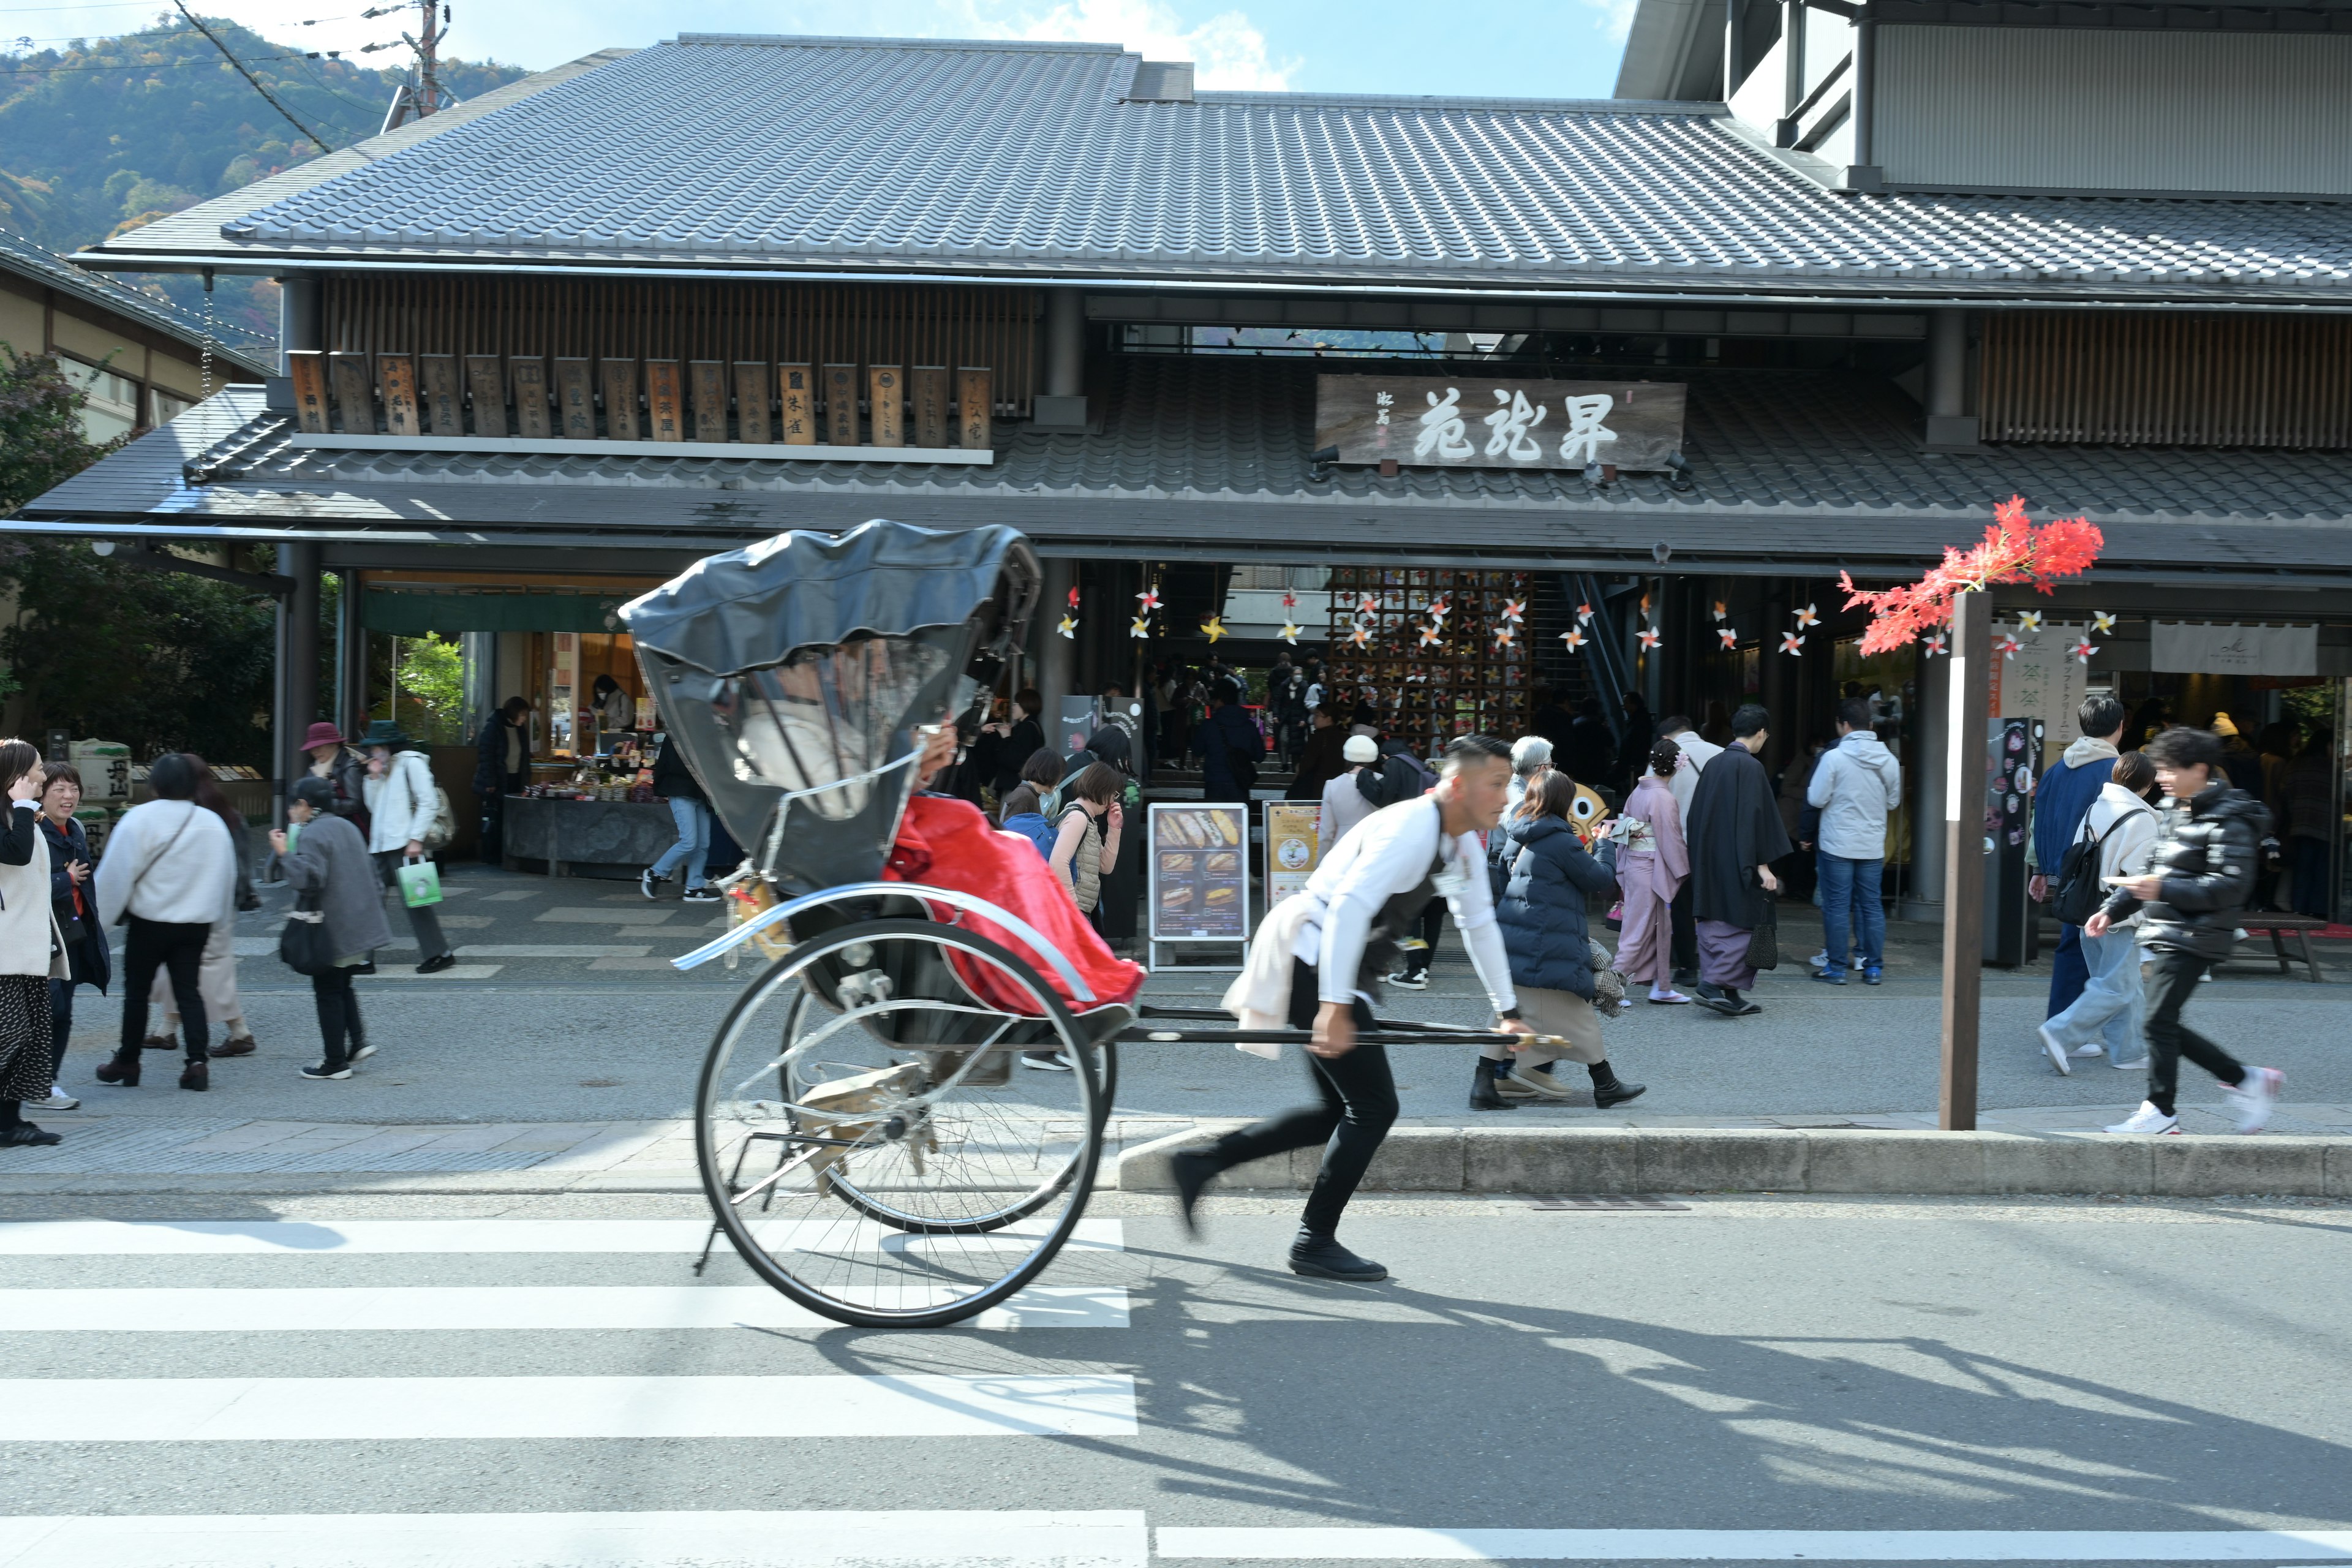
1735, 835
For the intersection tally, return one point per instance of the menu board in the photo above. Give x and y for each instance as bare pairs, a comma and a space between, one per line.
1198, 880
1293, 850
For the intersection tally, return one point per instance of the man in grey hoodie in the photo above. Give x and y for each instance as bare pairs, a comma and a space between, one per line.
1854, 785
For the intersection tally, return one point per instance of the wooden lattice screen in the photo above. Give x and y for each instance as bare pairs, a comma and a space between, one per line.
2185, 379
720, 321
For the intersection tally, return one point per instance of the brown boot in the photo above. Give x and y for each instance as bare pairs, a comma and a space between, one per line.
121, 1069
163, 1042
197, 1076
235, 1045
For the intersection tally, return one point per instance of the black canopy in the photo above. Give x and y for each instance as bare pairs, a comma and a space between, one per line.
749, 608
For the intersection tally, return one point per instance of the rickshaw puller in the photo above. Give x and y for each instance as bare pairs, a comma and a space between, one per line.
1315, 964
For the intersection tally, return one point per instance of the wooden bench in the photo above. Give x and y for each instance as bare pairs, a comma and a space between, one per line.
2280, 927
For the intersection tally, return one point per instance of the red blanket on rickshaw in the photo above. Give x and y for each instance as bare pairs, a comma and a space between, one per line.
946, 843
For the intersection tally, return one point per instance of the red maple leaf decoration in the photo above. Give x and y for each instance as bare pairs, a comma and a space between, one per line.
2014, 551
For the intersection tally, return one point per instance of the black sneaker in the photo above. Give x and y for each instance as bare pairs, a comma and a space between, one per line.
437, 963
25, 1135
360, 1053
703, 896
1410, 981
647, 882
329, 1069
1714, 999
1323, 1258
1191, 1170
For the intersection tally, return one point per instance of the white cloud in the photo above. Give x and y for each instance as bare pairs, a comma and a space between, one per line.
1616, 16
1228, 48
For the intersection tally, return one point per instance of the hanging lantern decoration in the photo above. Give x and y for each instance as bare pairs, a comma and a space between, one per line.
2007, 645
1583, 615
1289, 600
1649, 636
1731, 636
1808, 617
1793, 643
2082, 650
1934, 645
1069, 627
1573, 638
1140, 627
1149, 598
2102, 622
1212, 629
1722, 612
2029, 620
1290, 631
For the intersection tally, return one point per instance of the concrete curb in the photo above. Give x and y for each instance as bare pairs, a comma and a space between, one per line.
1624, 1160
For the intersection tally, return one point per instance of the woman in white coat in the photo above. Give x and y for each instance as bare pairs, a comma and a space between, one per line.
401, 804
31, 951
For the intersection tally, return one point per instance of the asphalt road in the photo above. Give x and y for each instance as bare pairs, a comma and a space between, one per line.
1746, 1366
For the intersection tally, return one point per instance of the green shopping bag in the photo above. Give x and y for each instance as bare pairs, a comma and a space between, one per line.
420, 883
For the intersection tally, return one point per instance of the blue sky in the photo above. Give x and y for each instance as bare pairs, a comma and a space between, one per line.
1516, 48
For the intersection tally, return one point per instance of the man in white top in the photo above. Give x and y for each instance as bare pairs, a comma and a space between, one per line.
170, 867
1344, 801
1696, 754
1315, 963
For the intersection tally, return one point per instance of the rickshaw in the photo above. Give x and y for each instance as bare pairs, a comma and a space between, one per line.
900, 1120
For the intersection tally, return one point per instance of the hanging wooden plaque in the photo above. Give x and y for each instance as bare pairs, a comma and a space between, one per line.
307, 369
975, 407
355, 393
575, 400
665, 400
620, 377
534, 421
486, 379
886, 396
709, 377
442, 394
841, 405
796, 396
752, 402
927, 402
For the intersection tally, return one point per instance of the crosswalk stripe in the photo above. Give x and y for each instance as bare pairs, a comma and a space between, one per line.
372, 1309
1013, 1538
317, 1409
1345, 1543
84, 1237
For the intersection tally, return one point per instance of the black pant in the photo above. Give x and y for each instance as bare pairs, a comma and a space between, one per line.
2172, 982
339, 1013
178, 950
61, 1021
1685, 932
423, 923
1431, 924
1359, 1106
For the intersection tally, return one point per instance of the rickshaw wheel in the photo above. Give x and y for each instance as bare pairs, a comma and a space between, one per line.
887, 1182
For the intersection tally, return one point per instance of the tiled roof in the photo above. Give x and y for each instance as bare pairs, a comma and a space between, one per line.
23, 257
855, 155
1208, 455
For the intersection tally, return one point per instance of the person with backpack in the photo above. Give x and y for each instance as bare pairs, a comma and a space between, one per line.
2201, 870
1401, 777
168, 874
1344, 805
403, 804
321, 853
2060, 798
2117, 833
676, 783
1230, 746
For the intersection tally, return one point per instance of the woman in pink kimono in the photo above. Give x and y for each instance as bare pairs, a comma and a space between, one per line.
1651, 861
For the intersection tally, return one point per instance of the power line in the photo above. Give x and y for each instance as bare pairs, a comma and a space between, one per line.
320, 141
8, 69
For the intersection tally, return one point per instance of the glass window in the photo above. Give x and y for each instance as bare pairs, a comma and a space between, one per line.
169, 407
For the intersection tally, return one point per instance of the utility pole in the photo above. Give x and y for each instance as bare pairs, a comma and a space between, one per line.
422, 96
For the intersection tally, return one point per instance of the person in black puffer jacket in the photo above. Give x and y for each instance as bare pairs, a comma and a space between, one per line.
2200, 873
1542, 915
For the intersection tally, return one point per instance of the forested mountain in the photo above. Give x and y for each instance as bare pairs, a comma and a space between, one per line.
99, 136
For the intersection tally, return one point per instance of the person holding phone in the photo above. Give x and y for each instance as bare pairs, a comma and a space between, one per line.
322, 853
30, 955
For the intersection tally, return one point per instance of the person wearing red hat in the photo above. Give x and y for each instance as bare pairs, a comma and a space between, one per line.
337, 761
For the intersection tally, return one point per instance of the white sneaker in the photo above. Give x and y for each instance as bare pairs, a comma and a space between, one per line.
2092, 1050
2056, 1052
59, 1099
2257, 1097
1820, 959
2147, 1119
2140, 1066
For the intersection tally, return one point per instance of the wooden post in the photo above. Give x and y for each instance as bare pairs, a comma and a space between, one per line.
400, 410
355, 393
796, 390
533, 419
886, 396
486, 378
753, 402
710, 378
308, 367
975, 407
575, 400
663, 397
841, 405
442, 394
620, 399
927, 390
1964, 856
